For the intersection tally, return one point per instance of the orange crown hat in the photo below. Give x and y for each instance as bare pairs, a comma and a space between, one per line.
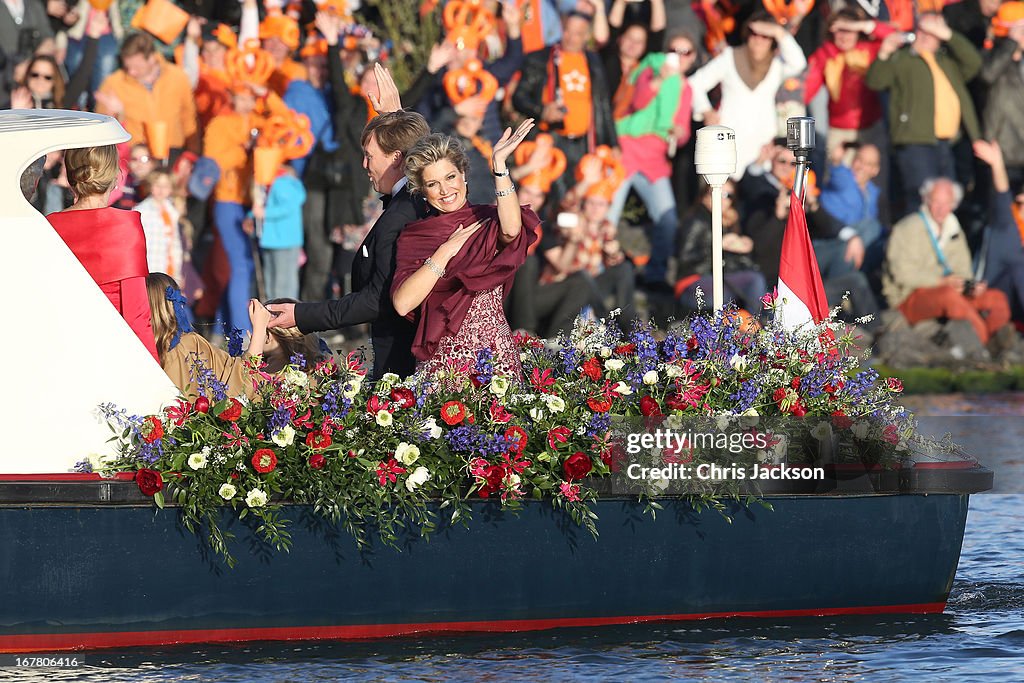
1009, 13
604, 189
220, 33
281, 27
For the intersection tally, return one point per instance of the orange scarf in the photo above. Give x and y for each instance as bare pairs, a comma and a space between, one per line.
856, 60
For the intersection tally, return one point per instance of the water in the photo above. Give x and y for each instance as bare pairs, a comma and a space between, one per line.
980, 637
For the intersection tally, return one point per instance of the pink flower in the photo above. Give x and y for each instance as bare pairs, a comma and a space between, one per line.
499, 414
570, 491
769, 299
891, 435
542, 380
388, 471
557, 435
894, 385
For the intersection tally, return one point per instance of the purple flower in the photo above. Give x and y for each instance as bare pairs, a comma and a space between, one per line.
599, 425
235, 342
484, 365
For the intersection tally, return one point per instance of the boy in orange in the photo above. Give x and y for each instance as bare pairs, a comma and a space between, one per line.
229, 141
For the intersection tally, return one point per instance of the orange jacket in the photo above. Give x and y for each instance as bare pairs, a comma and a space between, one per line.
169, 100
226, 141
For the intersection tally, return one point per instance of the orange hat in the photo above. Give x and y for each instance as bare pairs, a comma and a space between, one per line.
281, 27
220, 33
604, 189
314, 47
812, 182
1009, 14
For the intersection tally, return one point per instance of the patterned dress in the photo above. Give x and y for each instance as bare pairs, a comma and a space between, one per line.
485, 327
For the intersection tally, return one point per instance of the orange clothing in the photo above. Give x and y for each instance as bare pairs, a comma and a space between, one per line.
211, 94
283, 75
947, 102
226, 142
926, 303
169, 100
575, 87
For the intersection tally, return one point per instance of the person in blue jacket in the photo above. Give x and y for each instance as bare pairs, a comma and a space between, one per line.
282, 238
1003, 266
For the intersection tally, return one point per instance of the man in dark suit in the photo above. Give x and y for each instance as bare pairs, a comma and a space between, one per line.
385, 141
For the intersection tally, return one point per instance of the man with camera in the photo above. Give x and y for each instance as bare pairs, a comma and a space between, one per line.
927, 271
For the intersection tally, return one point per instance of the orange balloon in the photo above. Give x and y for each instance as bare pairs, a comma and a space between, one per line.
543, 177
470, 81
467, 22
249, 64
612, 167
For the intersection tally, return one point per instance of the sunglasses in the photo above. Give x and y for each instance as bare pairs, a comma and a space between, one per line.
684, 51
45, 77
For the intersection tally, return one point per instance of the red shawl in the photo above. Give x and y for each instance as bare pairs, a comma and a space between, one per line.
111, 244
480, 266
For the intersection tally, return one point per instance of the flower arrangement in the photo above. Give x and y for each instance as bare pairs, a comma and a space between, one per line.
401, 453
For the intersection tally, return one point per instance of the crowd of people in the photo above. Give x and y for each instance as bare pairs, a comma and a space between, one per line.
258, 155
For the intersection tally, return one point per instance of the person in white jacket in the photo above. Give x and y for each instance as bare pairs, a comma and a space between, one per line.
750, 76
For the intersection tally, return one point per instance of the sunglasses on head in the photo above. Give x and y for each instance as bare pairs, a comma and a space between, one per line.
45, 77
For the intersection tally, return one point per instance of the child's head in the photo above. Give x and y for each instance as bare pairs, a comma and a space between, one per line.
285, 342
161, 309
160, 184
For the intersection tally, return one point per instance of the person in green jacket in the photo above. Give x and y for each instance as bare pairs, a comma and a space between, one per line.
929, 106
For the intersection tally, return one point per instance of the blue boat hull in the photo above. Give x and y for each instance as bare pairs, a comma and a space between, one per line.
87, 576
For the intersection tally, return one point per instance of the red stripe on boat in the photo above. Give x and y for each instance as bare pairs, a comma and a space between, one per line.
56, 642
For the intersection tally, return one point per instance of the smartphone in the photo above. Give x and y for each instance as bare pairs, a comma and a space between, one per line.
567, 220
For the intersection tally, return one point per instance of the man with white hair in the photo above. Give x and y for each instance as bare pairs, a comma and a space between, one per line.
927, 271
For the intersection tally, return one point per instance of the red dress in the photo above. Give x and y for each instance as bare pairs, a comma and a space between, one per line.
111, 245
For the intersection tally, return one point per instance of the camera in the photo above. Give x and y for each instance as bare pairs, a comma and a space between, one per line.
909, 37
567, 220
969, 287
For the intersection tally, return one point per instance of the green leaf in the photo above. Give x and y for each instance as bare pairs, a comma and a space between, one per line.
158, 498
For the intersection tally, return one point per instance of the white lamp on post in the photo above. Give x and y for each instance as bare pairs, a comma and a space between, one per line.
715, 159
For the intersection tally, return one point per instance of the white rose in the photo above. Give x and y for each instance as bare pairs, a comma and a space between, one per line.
384, 418
613, 364
673, 371
284, 437
197, 461
537, 413
498, 386
256, 498
523, 357
749, 417
605, 352
418, 477
435, 429
651, 377
227, 491
860, 429
822, 431
738, 362
354, 385
407, 454
806, 367
554, 403
390, 378
622, 389
722, 422
295, 377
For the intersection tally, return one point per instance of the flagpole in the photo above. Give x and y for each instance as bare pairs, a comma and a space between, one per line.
715, 159
800, 139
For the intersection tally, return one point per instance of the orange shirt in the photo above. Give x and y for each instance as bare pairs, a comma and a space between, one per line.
575, 87
212, 96
169, 100
226, 141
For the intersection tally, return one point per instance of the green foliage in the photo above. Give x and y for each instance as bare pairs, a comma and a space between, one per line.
412, 37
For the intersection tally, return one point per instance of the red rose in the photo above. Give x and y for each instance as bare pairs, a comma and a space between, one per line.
352, 454
232, 412
675, 401
152, 429
779, 394
317, 460
453, 412
614, 456
476, 381
264, 460
149, 481
600, 404
492, 476
517, 437
841, 421
592, 369
894, 385
557, 435
625, 348
318, 441
577, 466
404, 397
202, 405
692, 343
798, 409
649, 406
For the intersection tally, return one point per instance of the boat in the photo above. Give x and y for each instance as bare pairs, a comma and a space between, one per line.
89, 562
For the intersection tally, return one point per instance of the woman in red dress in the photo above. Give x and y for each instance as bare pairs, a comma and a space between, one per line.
109, 242
453, 269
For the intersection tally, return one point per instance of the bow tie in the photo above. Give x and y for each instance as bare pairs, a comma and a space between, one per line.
386, 199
